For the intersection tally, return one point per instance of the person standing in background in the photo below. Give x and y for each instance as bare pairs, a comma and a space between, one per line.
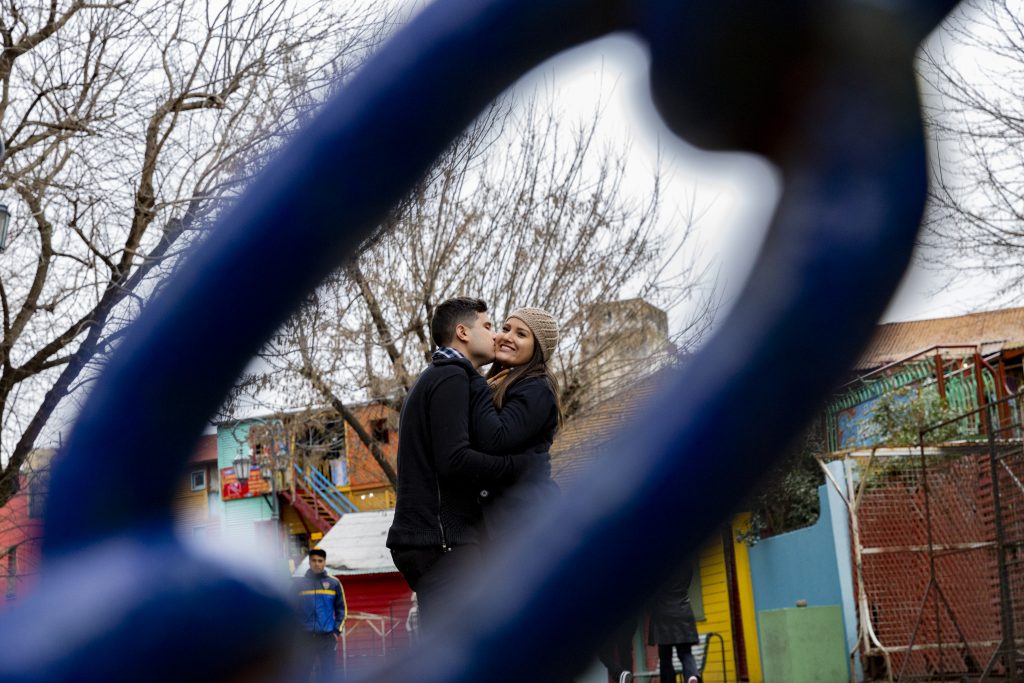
322, 610
673, 625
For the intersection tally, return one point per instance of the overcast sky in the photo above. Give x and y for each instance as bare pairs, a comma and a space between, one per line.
734, 193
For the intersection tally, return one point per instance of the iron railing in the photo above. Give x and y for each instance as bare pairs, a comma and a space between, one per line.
315, 482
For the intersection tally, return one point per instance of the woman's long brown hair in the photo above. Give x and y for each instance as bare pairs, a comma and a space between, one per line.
535, 367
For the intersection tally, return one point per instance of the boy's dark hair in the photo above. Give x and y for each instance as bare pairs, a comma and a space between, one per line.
318, 552
453, 312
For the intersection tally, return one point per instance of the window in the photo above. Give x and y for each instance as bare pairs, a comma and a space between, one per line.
324, 441
37, 494
12, 572
381, 433
198, 480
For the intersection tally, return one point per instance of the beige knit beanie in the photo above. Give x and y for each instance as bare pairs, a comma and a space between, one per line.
543, 326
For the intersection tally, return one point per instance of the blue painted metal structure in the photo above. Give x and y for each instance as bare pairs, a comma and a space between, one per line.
313, 480
825, 89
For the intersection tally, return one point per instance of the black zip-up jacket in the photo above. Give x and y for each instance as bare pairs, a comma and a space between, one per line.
439, 475
527, 422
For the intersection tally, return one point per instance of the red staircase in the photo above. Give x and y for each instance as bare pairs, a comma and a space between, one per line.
317, 500
312, 509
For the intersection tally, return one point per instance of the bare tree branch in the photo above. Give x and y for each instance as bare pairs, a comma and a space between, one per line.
975, 68
129, 127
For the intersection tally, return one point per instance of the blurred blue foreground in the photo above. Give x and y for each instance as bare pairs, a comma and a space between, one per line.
826, 90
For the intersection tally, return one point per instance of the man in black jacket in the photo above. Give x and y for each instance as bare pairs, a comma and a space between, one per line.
439, 474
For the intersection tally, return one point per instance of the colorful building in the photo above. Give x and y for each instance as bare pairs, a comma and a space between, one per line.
721, 592
21, 527
196, 509
284, 480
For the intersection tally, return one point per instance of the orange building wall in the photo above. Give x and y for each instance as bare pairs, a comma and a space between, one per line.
364, 474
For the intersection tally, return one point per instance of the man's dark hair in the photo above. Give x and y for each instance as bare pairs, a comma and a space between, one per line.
451, 313
318, 552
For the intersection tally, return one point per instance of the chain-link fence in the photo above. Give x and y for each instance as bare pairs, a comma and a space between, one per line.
937, 551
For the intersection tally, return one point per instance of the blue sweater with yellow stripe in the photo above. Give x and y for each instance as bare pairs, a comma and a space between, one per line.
322, 605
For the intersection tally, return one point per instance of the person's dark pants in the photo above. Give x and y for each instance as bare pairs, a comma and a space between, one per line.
322, 650
434, 575
617, 653
667, 672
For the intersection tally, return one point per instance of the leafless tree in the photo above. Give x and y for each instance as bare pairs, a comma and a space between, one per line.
975, 67
129, 125
524, 209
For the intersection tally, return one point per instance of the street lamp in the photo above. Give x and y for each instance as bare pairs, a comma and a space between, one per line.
5, 218
241, 464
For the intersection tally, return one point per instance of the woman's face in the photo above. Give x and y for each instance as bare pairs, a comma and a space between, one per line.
513, 345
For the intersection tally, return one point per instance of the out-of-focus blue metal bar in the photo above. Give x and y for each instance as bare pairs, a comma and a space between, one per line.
825, 89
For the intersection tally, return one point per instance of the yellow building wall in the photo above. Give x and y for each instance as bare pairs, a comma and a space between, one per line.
746, 593
370, 499
191, 509
715, 593
714, 580
292, 521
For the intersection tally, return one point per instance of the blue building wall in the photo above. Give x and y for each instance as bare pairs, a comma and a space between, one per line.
229, 440
812, 564
238, 516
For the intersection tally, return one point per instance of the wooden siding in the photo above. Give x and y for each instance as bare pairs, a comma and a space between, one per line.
292, 520
746, 591
240, 517
370, 499
717, 610
231, 440
189, 510
717, 617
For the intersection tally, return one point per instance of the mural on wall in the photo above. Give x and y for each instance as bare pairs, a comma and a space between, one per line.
851, 425
231, 488
854, 425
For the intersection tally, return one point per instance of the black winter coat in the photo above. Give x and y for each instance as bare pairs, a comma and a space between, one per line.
672, 619
439, 474
526, 422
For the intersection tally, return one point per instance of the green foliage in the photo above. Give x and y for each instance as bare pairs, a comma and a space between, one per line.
788, 498
900, 417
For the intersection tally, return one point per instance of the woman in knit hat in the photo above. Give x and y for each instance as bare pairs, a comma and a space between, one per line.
520, 411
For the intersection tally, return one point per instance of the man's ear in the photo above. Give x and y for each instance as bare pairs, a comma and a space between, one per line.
461, 333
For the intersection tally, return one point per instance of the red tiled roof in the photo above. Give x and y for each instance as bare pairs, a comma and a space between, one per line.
579, 438
206, 450
1002, 329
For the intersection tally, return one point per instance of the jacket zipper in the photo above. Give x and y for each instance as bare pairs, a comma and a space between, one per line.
440, 524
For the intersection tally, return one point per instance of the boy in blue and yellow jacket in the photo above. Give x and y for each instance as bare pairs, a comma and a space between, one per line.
322, 610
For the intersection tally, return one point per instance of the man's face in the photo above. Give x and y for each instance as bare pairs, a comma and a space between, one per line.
317, 563
480, 340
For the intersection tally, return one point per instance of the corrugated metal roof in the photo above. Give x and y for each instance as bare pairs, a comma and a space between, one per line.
355, 545
995, 330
